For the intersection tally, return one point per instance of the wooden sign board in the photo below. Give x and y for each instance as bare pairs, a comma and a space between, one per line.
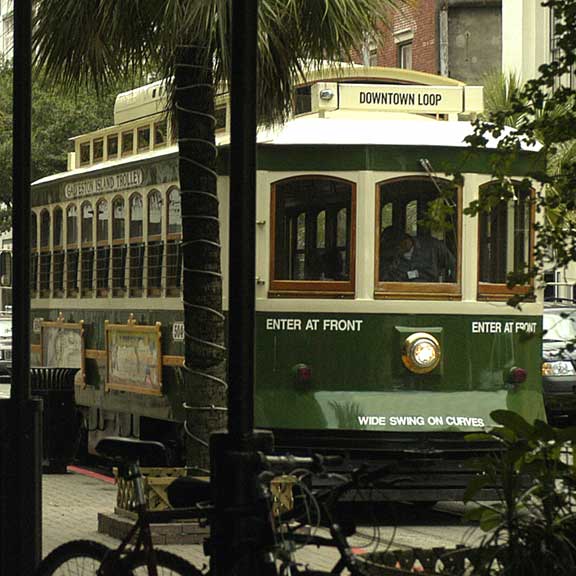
62, 345
134, 358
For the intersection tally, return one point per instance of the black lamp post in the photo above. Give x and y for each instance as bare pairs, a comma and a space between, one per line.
20, 433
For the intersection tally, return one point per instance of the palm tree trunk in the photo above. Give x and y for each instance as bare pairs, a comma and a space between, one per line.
204, 373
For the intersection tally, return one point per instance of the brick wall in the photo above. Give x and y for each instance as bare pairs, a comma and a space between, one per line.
420, 18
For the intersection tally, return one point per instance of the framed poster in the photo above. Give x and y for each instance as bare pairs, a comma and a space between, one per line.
133, 357
62, 344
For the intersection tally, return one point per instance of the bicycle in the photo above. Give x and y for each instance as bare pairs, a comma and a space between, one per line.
136, 554
83, 557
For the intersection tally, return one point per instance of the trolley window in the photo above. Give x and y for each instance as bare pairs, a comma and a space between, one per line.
505, 241
174, 212
34, 255
57, 228
418, 239
72, 225
313, 222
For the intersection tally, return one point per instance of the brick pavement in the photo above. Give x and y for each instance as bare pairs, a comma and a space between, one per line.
71, 503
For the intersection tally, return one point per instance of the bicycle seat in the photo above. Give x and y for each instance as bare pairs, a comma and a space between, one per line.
131, 449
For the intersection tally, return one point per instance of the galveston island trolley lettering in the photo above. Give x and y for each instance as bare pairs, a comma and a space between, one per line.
372, 323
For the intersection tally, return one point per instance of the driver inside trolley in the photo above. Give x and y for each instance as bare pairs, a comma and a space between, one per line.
405, 258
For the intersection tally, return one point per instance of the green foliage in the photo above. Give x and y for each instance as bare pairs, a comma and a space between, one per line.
57, 114
543, 113
531, 530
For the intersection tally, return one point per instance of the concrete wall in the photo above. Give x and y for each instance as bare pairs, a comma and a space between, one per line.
474, 39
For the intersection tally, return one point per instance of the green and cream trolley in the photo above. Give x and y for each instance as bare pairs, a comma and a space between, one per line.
379, 328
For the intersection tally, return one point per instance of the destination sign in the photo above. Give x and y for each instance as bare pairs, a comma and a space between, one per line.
394, 98
103, 184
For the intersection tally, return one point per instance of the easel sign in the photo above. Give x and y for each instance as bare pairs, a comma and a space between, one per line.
133, 357
62, 344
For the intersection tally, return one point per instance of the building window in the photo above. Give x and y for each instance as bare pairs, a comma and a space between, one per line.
405, 55
112, 144
220, 118
505, 240
310, 253
556, 52
418, 239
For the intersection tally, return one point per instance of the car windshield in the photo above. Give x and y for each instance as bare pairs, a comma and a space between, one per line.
560, 326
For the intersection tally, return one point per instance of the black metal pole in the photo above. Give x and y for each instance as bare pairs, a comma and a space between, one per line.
21, 521
234, 537
242, 220
22, 151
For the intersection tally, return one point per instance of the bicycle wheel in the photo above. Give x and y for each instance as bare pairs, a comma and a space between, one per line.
168, 565
75, 558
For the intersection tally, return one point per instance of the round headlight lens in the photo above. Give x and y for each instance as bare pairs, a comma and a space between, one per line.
421, 352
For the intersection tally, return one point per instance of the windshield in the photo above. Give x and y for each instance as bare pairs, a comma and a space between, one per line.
559, 326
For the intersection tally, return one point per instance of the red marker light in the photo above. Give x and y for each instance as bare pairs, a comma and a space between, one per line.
517, 375
303, 374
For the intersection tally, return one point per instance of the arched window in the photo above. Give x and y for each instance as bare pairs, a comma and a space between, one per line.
136, 217
313, 247
87, 223
136, 232
72, 225
174, 244
102, 248
72, 253
505, 239
154, 214
34, 254
155, 244
45, 229
118, 247
418, 238
45, 256
58, 252
57, 230
174, 212
87, 251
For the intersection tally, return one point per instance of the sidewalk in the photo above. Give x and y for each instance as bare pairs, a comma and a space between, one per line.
71, 503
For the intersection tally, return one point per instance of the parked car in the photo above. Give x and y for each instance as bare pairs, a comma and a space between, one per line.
559, 363
5, 347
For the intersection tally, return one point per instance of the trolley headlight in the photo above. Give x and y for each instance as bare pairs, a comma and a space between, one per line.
421, 352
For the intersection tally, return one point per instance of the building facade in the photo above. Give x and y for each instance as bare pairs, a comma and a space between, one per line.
6, 29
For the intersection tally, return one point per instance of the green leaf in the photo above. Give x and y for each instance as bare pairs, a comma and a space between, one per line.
474, 486
514, 422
